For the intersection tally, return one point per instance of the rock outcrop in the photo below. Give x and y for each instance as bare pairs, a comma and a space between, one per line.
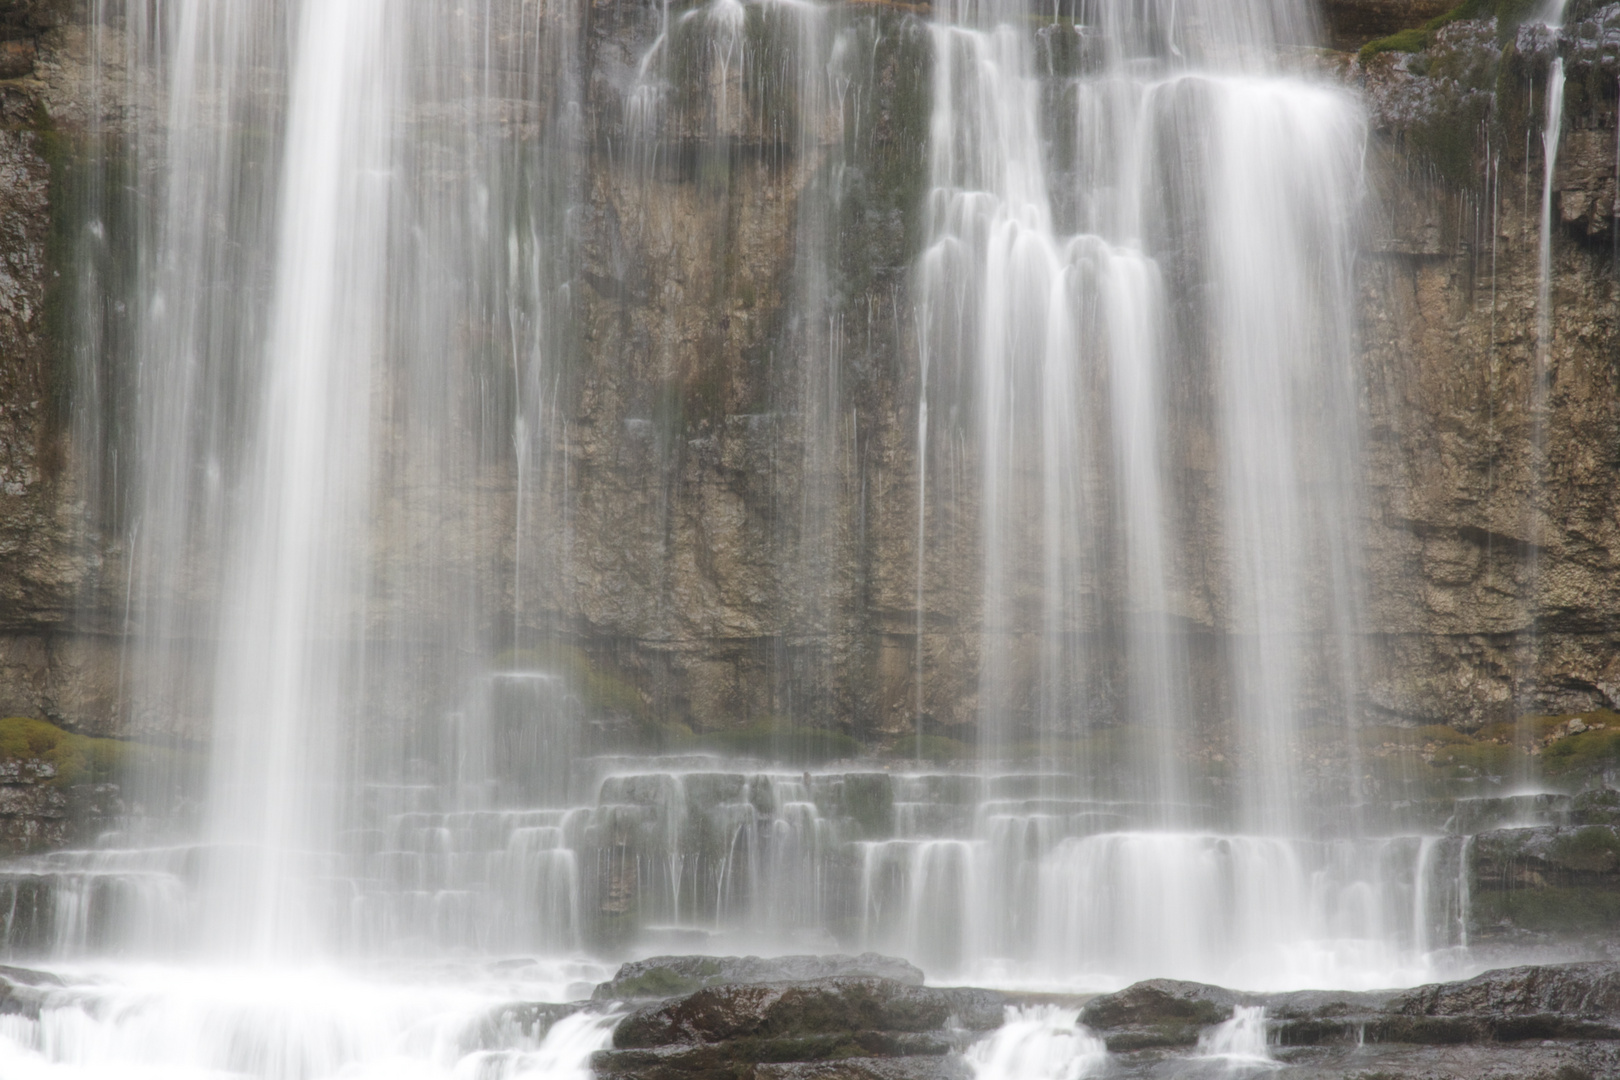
1558, 1022
1555, 1021
830, 1024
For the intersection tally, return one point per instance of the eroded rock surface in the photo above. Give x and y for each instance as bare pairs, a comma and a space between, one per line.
667, 976
830, 1027
1553, 1022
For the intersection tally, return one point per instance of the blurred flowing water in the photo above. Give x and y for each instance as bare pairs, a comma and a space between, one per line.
337, 391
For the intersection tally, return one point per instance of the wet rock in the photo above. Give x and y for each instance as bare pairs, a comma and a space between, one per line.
825, 1006
1548, 882
1562, 1003
667, 976
1600, 806
950, 1067
738, 1056
1159, 1012
832, 1028
1584, 992
1557, 1022
1480, 815
23, 990
1557, 1061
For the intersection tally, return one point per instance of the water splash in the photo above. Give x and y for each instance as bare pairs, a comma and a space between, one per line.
290, 1024
1038, 1042
1241, 1041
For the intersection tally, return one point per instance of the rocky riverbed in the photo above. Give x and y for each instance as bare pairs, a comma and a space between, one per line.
755, 1018
871, 1017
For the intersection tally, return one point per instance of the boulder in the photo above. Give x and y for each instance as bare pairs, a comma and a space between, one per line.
823, 1006
1158, 1013
862, 1028
667, 976
951, 1067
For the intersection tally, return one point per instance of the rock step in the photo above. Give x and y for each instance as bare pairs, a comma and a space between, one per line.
1552, 1002
818, 1007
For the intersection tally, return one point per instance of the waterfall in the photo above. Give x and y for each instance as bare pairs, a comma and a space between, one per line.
1150, 320
285, 667
485, 364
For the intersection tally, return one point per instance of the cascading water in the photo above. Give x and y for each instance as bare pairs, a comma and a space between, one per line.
359, 339
1043, 1042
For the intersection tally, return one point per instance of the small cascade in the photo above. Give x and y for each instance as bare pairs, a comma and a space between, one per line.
1551, 135
1038, 1042
1103, 324
1541, 380
975, 878
1241, 1041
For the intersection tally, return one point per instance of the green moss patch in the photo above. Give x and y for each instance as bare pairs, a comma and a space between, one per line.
1553, 909
1507, 13
1568, 749
79, 759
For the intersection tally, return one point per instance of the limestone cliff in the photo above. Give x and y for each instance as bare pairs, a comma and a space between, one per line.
732, 483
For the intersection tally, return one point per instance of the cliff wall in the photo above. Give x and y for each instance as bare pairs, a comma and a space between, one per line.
733, 534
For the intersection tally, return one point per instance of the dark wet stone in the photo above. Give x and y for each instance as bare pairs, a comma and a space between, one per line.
1508, 811
1564, 1002
23, 990
29, 977
737, 1057
1560, 1001
948, 1067
1491, 1061
668, 976
1158, 1013
826, 1006
1600, 806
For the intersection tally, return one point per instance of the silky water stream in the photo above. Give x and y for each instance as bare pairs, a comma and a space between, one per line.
354, 238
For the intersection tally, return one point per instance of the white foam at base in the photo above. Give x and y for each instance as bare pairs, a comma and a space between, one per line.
1240, 1041
199, 1023
1040, 1042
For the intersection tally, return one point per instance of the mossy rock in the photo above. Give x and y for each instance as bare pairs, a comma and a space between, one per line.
1507, 13
1591, 850
1553, 909
1598, 807
660, 982
78, 759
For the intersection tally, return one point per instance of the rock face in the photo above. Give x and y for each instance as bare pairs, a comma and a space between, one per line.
1545, 883
716, 570
1493, 526
36, 814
